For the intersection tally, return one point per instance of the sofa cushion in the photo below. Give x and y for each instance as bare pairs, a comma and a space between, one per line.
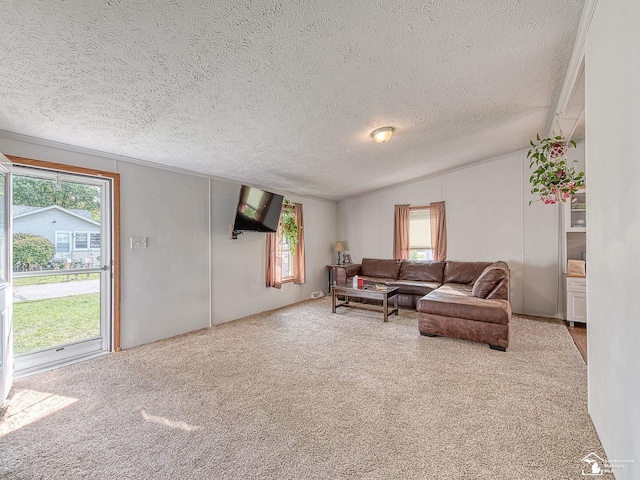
490, 279
463, 272
456, 289
410, 287
465, 307
421, 271
373, 267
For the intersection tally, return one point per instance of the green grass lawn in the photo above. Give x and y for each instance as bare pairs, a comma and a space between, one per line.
17, 282
40, 324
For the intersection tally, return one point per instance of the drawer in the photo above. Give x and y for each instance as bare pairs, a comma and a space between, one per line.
576, 284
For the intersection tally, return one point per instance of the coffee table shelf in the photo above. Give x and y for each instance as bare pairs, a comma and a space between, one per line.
390, 295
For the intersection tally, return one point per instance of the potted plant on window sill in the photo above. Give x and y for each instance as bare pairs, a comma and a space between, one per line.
554, 178
289, 226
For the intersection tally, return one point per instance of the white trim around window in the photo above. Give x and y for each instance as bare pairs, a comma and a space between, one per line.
88, 241
78, 243
94, 240
67, 243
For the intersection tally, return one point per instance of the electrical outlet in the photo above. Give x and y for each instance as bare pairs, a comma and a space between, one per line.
138, 242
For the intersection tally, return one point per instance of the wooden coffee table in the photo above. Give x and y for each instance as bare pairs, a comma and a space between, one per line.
390, 294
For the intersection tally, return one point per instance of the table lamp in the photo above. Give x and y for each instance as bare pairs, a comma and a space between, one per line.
339, 247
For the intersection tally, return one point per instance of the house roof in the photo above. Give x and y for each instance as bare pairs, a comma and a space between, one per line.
285, 94
19, 211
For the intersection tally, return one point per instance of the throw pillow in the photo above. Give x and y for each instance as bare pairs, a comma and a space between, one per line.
489, 279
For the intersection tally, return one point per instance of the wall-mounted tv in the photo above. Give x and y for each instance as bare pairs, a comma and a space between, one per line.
257, 211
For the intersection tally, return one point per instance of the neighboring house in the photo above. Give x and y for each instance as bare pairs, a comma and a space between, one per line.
73, 232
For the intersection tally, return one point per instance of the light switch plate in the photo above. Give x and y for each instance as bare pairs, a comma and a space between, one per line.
138, 242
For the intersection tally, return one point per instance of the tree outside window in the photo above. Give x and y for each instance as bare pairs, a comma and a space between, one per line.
40, 192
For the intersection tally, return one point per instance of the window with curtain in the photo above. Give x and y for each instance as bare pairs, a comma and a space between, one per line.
420, 233
283, 263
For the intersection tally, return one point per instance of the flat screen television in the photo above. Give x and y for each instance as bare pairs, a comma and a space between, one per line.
257, 211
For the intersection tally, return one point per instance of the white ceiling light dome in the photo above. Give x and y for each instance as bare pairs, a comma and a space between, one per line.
382, 135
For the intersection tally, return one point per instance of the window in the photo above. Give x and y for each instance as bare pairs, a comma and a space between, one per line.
94, 240
63, 242
283, 265
86, 240
420, 234
80, 240
287, 261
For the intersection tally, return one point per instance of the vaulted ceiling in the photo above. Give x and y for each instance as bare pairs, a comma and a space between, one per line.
285, 94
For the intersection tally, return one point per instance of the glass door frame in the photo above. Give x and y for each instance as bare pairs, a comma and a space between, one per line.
6, 295
114, 198
72, 352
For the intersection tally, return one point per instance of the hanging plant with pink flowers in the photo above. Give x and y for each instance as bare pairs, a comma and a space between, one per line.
554, 178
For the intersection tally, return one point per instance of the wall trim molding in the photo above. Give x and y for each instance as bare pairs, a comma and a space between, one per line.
576, 62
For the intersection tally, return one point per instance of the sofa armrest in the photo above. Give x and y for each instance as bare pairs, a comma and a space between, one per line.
501, 291
345, 271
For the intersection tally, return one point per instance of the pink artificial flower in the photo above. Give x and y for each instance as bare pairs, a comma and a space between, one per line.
560, 173
572, 184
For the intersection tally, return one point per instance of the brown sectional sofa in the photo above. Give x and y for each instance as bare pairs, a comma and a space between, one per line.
466, 300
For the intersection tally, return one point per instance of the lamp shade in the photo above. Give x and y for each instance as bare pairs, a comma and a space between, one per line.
339, 246
382, 135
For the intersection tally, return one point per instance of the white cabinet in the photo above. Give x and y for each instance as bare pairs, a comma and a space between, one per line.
575, 218
576, 299
574, 247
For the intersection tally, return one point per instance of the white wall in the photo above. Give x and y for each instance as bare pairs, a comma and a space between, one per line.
488, 219
238, 266
613, 236
192, 274
165, 287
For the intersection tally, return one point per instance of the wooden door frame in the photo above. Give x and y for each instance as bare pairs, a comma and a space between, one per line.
115, 215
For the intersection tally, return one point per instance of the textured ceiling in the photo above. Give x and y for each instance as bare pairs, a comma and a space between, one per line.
284, 94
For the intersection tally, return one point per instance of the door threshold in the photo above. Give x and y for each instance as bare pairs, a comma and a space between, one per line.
52, 366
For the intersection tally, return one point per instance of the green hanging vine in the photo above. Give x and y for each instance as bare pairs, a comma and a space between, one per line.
554, 178
289, 226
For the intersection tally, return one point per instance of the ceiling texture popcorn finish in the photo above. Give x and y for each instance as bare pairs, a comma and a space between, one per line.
286, 94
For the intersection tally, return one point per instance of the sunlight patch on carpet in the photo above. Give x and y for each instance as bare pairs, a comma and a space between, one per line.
28, 406
170, 423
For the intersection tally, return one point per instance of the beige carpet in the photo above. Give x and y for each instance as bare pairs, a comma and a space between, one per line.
300, 393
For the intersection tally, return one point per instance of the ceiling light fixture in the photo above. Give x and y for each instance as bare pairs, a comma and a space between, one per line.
382, 135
